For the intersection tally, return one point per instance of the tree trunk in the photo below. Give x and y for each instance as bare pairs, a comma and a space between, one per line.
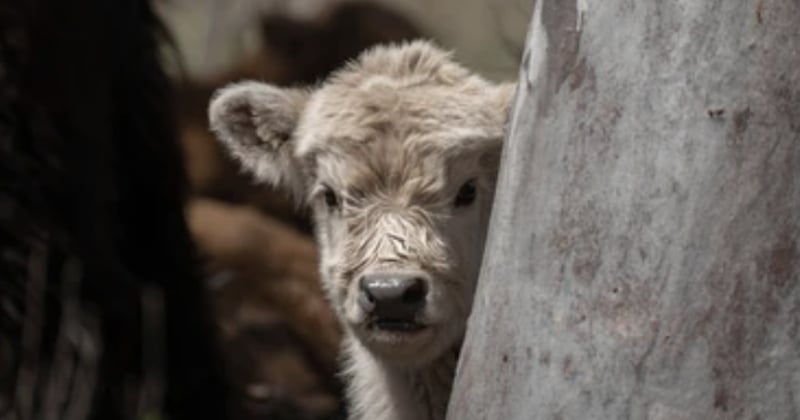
643, 258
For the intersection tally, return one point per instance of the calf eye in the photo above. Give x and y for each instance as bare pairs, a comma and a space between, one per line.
330, 199
466, 195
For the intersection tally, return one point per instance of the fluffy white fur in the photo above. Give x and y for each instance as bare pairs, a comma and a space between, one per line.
255, 122
393, 136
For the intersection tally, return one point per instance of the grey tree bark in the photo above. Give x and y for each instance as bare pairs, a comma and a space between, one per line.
643, 258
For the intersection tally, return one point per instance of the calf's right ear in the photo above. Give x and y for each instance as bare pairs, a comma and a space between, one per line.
256, 123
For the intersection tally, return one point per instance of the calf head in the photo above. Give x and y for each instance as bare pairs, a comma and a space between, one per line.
396, 155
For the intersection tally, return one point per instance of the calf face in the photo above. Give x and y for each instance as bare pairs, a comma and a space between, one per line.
397, 156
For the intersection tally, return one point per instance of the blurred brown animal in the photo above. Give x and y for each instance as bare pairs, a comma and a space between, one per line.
281, 337
240, 239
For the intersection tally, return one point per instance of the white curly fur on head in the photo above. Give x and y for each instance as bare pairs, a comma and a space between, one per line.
256, 123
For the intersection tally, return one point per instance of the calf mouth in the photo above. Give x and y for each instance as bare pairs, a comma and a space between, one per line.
401, 342
395, 325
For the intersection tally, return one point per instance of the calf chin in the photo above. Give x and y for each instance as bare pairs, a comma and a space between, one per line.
378, 390
408, 350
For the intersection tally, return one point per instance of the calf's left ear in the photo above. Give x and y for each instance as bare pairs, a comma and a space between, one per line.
256, 124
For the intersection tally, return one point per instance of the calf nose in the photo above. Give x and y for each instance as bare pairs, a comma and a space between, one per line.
393, 296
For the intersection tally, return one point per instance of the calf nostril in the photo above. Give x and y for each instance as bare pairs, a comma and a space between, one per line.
415, 293
365, 298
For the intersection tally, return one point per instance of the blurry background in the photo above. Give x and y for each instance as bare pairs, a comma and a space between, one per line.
280, 339
106, 311
214, 35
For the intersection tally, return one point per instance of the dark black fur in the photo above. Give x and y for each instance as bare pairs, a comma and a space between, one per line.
90, 172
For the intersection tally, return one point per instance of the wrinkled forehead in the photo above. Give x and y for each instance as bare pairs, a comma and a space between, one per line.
410, 112
387, 126
382, 166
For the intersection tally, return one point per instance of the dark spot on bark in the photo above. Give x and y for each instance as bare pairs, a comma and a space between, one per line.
568, 367
741, 120
585, 269
584, 77
615, 290
578, 239
560, 243
716, 114
505, 358
794, 328
586, 397
721, 398
737, 323
544, 358
578, 75
759, 14
781, 261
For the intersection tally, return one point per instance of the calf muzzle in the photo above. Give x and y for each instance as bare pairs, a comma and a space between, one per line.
393, 300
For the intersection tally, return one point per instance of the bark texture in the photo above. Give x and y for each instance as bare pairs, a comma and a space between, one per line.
643, 259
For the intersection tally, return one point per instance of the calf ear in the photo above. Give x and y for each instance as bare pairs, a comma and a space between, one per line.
256, 124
